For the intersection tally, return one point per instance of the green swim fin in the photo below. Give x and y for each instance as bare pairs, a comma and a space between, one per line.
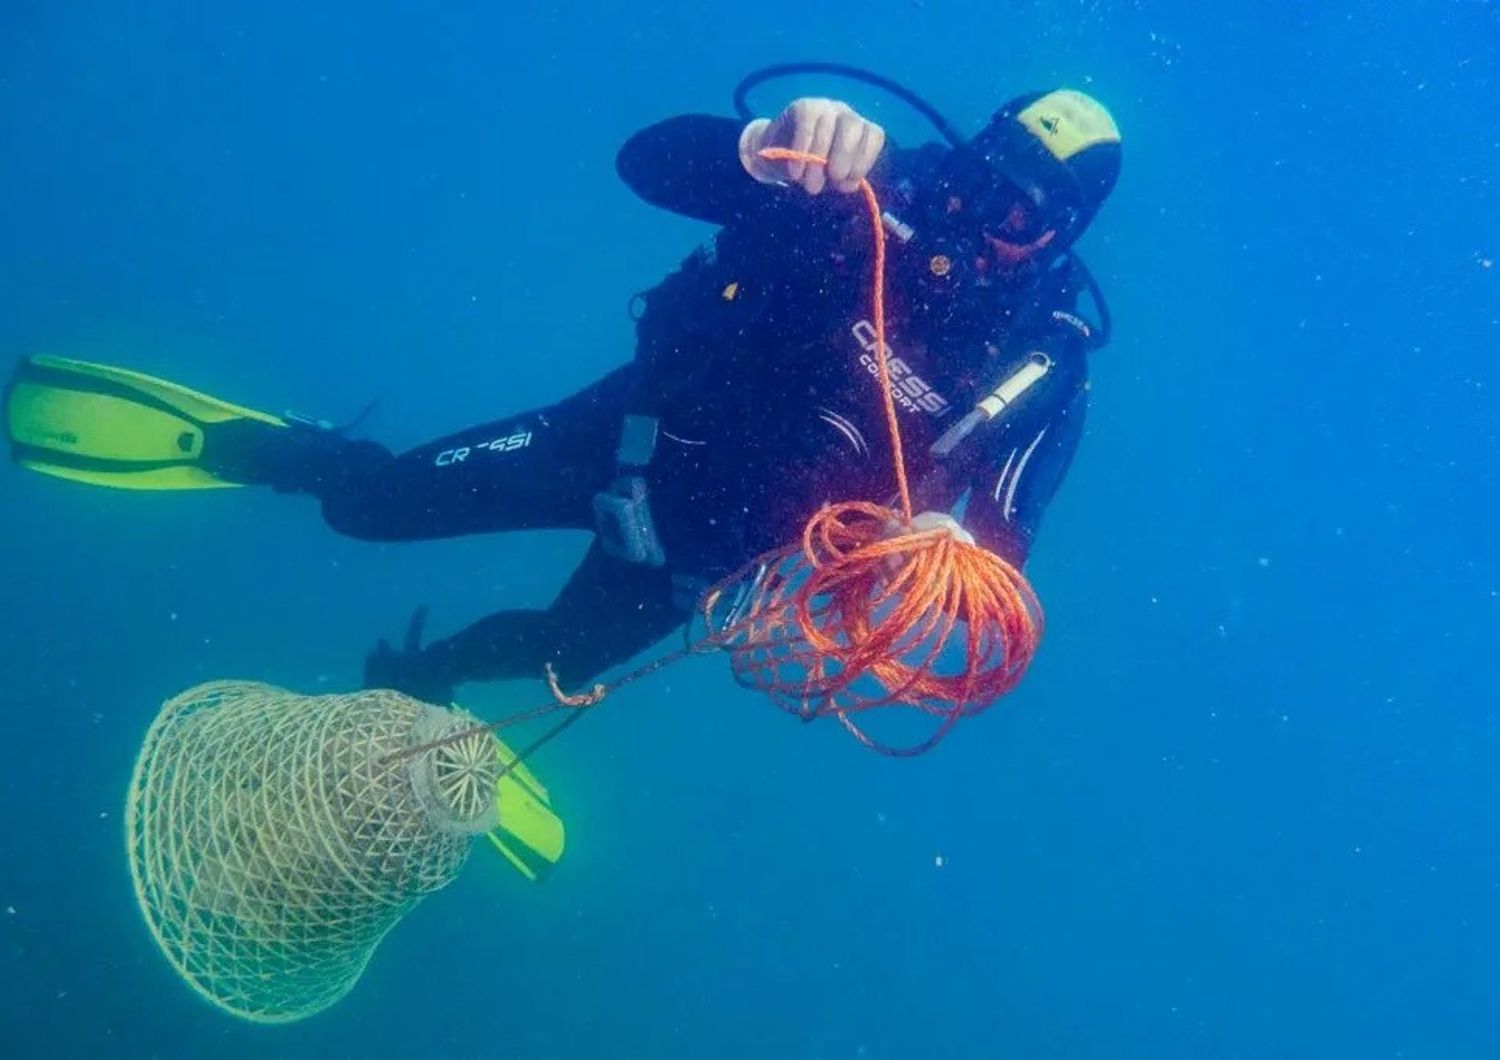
529, 834
109, 426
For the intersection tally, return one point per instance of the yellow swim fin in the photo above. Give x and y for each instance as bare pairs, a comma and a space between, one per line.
107, 426
529, 835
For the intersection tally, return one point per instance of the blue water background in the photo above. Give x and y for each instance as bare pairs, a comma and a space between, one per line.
1244, 804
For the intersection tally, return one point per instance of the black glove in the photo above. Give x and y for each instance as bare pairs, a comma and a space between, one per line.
409, 670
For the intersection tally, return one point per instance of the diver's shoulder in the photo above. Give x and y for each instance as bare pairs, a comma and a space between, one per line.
1069, 308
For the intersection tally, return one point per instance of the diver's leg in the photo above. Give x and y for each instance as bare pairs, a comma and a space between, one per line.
608, 611
535, 470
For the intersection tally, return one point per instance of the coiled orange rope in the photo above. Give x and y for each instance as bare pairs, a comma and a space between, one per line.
860, 614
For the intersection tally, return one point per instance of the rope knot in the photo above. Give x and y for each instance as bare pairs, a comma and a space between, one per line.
580, 699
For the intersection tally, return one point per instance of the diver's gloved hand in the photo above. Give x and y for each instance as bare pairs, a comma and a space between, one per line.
824, 127
409, 670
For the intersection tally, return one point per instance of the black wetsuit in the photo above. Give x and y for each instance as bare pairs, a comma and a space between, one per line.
755, 358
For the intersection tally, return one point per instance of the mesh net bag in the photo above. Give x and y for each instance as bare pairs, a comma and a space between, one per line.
275, 838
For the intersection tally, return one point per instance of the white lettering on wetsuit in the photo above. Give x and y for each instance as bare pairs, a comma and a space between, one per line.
507, 444
910, 390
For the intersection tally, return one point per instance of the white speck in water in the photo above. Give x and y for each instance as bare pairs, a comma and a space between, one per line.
940, 861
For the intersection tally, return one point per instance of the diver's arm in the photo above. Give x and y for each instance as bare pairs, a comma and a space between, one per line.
691, 165
1024, 466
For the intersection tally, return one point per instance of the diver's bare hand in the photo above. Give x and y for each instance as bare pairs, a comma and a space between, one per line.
823, 127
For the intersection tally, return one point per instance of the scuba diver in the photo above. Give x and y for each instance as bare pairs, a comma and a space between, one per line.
752, 397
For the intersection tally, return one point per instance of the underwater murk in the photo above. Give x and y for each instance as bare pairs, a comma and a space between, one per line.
1197, 765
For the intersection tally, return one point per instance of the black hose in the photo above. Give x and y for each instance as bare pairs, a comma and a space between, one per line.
855, 73
1104, 325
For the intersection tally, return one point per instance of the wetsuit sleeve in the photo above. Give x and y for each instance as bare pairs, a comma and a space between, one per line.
1024, 465
691, 165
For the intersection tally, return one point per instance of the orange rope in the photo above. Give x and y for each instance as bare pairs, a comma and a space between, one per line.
877, 284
